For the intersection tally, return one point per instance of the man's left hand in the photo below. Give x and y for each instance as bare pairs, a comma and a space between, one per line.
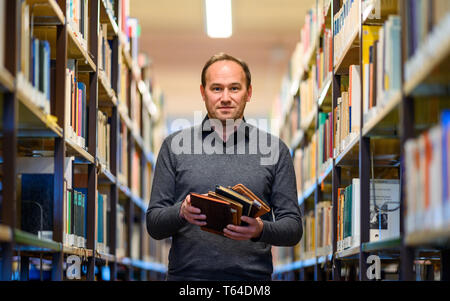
252, 230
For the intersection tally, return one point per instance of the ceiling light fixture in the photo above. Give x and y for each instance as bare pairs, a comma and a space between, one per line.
218, 18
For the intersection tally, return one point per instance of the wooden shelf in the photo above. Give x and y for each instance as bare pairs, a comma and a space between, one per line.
73, 149
307, 193
324, 93
350, 55
81, 252
347, 254
6, 79
429, 237
106, 95
107, 18
389, 244
76, 51
24, 238
35, 119
5, 233
431, 59
350, 151
46, 11
385, 120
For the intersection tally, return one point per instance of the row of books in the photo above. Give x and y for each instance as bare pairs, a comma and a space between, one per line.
308, 97
344, 27
384, 212
427, 179
78, 18
324, 227
105, 52
76, 107
308, 241
347, 112
324, 143
324, 61
305, 166
428, 23
35, 63
381, 64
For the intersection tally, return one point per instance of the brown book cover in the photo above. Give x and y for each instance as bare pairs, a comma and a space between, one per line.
259, 207
218, 213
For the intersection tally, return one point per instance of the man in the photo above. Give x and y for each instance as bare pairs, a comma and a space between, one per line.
214, 153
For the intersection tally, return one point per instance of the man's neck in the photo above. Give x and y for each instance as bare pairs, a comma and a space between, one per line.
228, 128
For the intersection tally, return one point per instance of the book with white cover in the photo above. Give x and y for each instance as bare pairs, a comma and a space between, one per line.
384, 209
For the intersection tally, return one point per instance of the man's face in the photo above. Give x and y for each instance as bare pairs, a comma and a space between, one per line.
225, 94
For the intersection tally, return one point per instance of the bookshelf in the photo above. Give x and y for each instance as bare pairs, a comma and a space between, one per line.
87, 118
373, 125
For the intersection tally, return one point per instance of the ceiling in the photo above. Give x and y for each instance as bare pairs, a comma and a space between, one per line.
265, 33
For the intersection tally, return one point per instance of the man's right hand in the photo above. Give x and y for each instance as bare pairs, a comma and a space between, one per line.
192, 214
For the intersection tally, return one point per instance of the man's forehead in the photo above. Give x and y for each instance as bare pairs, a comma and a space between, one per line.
225, 68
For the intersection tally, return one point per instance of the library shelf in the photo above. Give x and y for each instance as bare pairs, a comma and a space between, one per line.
438, 237
323, 100
36, 243
325, 171
6, 79
297, 139
296, 265
47, 11
73, 149
5, 233
307, 193
387, 244
382, 123
105, 175
350, 55
107, 18
81, 252
126, 191
308, 123
38, 119
432, 57
350, 150
76, 51
106, 95
348, 253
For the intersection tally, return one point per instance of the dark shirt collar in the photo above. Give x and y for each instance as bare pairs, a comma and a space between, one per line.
243, 126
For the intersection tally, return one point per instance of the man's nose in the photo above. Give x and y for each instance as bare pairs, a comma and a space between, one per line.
225, 95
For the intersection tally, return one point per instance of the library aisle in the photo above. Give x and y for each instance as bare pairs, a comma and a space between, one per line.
364, 107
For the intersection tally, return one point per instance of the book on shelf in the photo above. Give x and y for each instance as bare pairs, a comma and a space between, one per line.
345, 21
381, 64
428, 23
427, 192
103, 138
76, 108
36, 187
384, 212
136, 174
308, 97
325, 149
370, 36
324, 227
123, 153
78, 19
34, 76
307, 243
347, 112
105, 53
121, 232
324, 60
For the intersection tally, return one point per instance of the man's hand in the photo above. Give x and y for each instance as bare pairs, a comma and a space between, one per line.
253, 230
192, 214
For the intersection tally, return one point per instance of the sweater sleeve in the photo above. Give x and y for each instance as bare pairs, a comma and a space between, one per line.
287, 228
162, 215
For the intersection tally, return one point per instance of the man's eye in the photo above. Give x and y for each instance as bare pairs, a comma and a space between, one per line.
234, 88
216, 89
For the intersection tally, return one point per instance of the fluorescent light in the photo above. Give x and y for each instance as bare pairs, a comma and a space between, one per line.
218, 18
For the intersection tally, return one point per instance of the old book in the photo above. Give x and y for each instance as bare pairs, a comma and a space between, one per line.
218, 213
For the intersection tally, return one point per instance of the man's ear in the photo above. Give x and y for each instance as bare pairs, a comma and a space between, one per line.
249, 93
202, 91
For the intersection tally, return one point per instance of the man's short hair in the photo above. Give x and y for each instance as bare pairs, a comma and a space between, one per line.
225, 57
